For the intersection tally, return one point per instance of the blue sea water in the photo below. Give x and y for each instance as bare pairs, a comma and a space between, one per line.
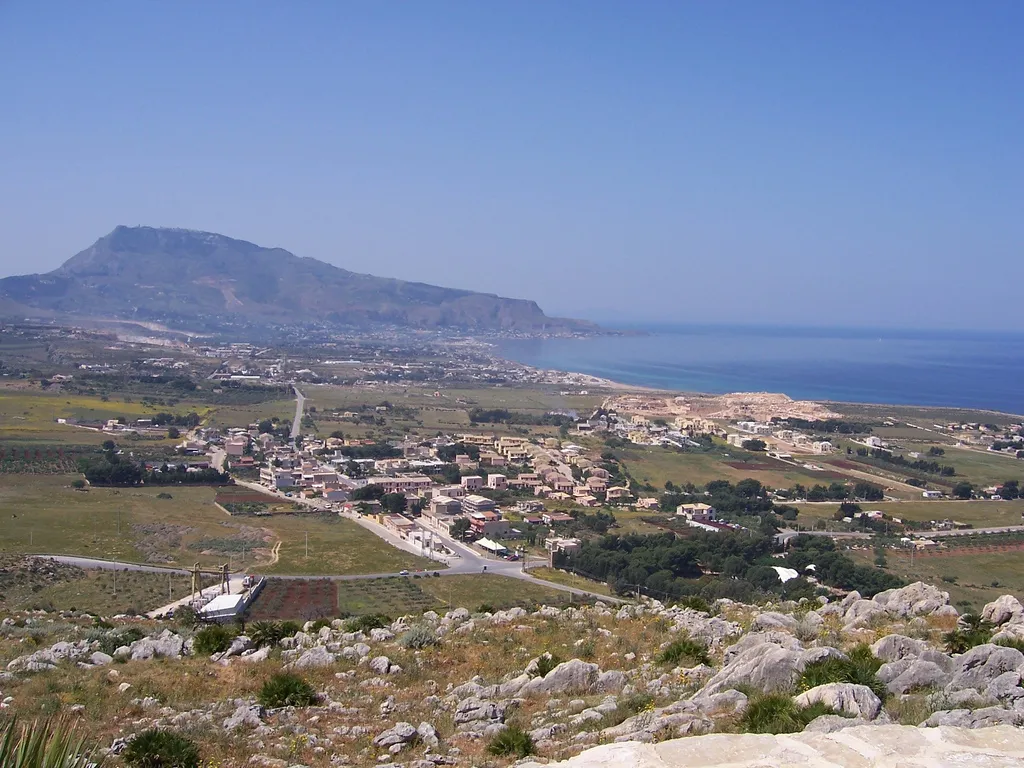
939, 368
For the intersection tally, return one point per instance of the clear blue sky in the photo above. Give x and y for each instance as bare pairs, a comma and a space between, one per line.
822, 163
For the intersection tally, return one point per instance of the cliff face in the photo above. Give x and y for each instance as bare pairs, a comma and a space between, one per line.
181, 276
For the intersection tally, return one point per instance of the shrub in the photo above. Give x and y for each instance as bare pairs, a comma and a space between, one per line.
420, 636
546, 662
485, 608
111, 641
285, 689
289, 628
186, 616
858, 668
971, 630
694, 602
155, 748
213, 639
1011, 642
367, 622
778, 713
264, 633
685, 649
46, 744
511, 741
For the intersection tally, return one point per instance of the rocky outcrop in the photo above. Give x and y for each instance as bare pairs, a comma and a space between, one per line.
855, 700
1004, 610
865, 746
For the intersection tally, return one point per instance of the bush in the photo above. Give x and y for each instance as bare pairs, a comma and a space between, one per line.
511, 741
778, 713
289, 628
111, 641
263, 633
972, 630
685, 649
694, 602
367, 622
186, 616
285, 689
420, 636
155, 748
546, 662
1011, 642
858, 668
47, 744
213, 639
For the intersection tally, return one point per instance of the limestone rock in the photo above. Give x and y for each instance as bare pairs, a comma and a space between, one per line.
856, 700
913, 600
165, 645
912, 674
315, 657
982, 664
977, 718
400, 733
245, 715
1004, 610
833, 723
572, 676
772, 620
865, 746
896, 647
473, 709
767, 667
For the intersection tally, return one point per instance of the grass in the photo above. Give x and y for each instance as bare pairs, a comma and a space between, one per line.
858, 668
43, 514
472, 591
567, 579
45, 744
685, 650
778, 713
285, 689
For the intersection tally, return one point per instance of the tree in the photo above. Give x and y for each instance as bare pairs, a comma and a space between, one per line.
393, 502
459, 528
1010, 489
338, 434
109, 445
266, 426
754, 445
963, 490
173, 433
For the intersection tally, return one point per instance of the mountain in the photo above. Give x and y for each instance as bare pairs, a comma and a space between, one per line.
185, 278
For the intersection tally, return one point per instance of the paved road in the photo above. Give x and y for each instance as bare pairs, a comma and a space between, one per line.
300, 404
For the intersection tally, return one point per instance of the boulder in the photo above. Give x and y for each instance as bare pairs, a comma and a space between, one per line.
912, 600
766, 667
611, 681
983, 664
1004, 610
100, 659
315, 657
896, 647
572, 676
246, 715
256, 656
427, 734
400, 733
474, 709
755, 639
862, 612
833, 723
772, 620
165, 645
976, 718
380, 664
912, 674
856, 700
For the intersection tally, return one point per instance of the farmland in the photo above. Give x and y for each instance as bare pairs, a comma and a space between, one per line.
305, 599
44, 514
980, 514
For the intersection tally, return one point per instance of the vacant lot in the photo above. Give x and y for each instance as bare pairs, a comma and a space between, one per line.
980, 514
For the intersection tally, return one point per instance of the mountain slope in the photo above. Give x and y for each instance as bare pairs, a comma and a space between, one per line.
181, 276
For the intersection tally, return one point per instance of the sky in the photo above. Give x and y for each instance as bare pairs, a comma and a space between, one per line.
807, 163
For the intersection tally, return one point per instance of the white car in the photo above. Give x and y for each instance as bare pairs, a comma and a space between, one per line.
403, 573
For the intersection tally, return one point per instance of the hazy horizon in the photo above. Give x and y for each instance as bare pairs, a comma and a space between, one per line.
816, 165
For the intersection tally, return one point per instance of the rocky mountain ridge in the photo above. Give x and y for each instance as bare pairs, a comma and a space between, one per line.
440, 689
184, 278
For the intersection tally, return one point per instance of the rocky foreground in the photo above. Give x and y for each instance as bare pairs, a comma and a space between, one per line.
437, 690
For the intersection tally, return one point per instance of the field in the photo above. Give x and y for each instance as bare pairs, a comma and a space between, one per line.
395, 596
567, 579
243, 415
44, 514
31, 416
983, 468
28, 584
980, 514
658, 465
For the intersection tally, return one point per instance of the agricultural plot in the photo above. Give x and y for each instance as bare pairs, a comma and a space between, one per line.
397, 596
979, 514
299, 599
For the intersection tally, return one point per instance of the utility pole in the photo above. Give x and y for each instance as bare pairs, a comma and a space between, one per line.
307, 544
170, 592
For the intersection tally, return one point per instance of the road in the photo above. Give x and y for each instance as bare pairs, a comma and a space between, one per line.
300, 404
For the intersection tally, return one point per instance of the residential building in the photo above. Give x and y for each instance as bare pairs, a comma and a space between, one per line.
474, 503
497, 482
472, 482
554, 518
402, 483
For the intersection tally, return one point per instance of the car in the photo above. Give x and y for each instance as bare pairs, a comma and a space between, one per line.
403, 573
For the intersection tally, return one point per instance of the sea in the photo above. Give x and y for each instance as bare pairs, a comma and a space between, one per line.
961, 369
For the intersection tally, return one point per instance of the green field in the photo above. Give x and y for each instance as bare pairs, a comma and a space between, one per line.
243, 415
982, 468
43, 514
980, 514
